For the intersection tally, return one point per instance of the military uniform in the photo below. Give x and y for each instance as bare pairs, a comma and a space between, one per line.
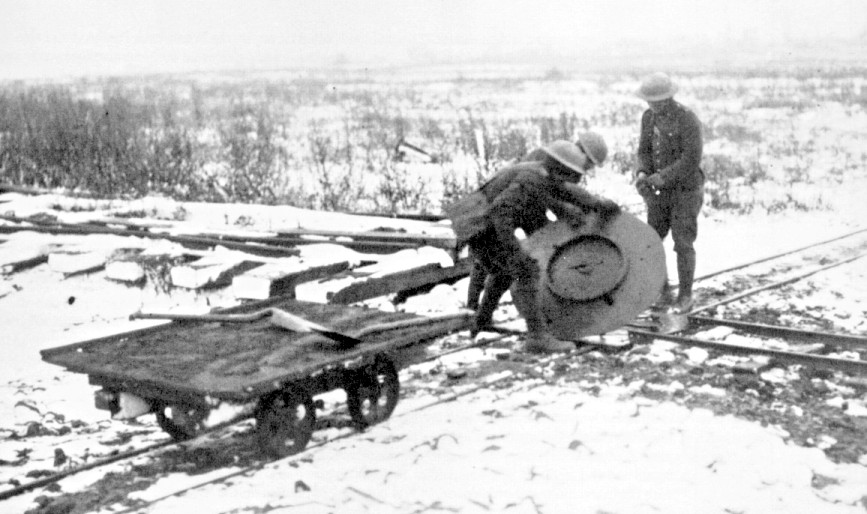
519, 197
670, 147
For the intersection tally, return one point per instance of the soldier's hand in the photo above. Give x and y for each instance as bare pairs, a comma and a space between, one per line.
608, 210
655, 181
643, 185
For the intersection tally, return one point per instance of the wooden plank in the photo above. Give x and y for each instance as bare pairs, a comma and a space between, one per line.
410, 239
24, 263
133, 223
73, 262
126, 266
19, 255
280, 278
418, 278
210, 271
194, 242
380, 247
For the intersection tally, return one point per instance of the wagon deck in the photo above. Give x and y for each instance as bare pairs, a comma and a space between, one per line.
183, 369
240, 361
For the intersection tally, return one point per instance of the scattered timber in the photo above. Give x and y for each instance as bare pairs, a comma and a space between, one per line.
405, 282
193, 242
125, 265
74, 262
23, 263
409, 240
210, 272
280, 279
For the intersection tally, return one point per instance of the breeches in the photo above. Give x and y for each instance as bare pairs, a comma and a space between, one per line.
676, 212
503, 257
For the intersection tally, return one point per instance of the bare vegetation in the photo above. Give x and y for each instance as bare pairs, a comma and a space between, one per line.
334, 143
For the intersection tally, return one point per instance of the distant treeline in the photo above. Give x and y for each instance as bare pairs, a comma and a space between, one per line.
250, 141
113, 146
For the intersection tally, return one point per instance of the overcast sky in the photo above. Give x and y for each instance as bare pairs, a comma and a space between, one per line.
55, 38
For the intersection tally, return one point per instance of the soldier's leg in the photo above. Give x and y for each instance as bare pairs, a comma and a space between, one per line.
526, 298
478, 274
684, 231
659, 218
659, 213
495, 287
490, 278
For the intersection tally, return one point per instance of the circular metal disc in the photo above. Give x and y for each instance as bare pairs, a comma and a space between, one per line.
625, 269
586, 268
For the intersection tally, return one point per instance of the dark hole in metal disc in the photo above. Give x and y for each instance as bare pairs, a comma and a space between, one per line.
586, 268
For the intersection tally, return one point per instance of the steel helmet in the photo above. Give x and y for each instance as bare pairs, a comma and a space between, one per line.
656, 87
567, 154
593, 146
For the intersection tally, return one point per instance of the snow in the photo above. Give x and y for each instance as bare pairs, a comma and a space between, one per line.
526, 446
550, 449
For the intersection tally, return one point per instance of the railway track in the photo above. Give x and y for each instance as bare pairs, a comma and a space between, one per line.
699, 323
138, 452
639, 336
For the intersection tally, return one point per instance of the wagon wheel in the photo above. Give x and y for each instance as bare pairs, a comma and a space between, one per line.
372, 392
181, 422
285, 422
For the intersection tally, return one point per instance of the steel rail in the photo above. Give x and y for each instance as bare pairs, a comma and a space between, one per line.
783, 356
777, 256
486, 381
45, 481
848, 365
41, 482
788, 333
773, 285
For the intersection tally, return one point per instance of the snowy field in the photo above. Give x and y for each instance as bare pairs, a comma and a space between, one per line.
593, 438
524, 445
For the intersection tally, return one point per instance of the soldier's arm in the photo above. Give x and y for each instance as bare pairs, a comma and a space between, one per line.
645, 144
536, 155
690, 158
505, 210
574, 203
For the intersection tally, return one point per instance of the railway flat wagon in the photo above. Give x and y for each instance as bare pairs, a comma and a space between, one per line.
212, 370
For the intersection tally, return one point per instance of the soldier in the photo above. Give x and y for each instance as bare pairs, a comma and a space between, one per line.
518, 197
669, 177
591, 144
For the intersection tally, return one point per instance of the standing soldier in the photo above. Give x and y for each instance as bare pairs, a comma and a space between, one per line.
669, 177
518, 197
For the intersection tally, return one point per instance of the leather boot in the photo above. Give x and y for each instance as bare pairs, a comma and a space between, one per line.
495, 287
685, 277
478, 274
538, 339
665, 300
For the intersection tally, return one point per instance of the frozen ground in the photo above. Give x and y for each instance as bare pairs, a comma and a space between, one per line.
518, 445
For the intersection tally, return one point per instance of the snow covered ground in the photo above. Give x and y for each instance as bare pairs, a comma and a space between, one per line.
523, 444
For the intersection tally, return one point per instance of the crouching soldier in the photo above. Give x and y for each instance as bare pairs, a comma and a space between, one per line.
518, 197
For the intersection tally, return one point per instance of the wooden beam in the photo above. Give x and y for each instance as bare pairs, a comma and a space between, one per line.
195, 242
414, 279
280, 279
210, 272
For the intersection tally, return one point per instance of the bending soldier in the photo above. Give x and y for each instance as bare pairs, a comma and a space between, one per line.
518, 197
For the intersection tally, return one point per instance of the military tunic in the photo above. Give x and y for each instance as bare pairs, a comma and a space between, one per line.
519, 197
670, 146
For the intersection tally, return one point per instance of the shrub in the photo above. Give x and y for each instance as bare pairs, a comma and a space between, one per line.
723, 175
